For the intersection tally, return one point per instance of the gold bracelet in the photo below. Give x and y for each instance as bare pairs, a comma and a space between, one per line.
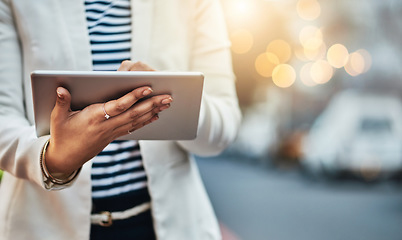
49, 176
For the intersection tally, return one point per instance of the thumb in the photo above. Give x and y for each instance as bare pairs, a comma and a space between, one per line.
63, 102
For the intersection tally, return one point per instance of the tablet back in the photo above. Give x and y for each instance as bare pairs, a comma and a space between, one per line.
179, 122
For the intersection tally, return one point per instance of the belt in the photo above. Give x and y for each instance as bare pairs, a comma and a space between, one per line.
105, 219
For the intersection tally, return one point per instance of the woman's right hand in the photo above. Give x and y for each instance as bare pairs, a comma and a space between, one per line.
78, 136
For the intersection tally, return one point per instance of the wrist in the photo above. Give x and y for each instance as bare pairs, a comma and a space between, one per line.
54, 161
58, 178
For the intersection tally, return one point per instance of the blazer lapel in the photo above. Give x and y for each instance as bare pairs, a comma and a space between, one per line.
142, 15
76, 25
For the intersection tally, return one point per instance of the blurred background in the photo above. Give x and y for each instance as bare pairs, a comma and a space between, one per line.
319, 153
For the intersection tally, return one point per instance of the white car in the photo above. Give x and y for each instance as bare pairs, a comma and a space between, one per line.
358, 133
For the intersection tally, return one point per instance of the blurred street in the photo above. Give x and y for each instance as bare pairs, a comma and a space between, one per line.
319, 84
258, 202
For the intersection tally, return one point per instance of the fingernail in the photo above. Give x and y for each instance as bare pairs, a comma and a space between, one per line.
167, 100
155, 118
164, 107
59, 94
147, 91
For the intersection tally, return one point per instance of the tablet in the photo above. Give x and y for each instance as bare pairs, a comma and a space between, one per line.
179, 122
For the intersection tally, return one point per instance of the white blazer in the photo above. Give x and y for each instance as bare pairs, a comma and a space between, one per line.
168, 35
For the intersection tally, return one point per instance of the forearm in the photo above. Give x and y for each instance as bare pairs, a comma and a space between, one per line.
220, 114
218, 125
20, 148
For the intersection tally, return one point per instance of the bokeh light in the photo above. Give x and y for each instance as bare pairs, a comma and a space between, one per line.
242, 41
314, 48
265, 64
305, 75
311, 36
355, 64
308, 9
284, 75
313, 53
337, 55
321, 72
367, 59
359, 62
241, 8
281, 49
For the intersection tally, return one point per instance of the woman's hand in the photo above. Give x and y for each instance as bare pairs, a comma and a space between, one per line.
78, 136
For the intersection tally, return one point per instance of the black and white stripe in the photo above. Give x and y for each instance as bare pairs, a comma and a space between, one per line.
109, 26
117, 172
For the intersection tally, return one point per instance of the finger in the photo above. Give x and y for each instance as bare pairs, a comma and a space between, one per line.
128, 65
137, 126
116, 107
155, 104
62, 107
133, 126
125, 65
140, 66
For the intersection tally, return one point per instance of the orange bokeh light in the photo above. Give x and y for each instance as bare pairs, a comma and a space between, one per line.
284, 75
337, 55
309, 9
281, 49
242, 41
265, 64
321, 72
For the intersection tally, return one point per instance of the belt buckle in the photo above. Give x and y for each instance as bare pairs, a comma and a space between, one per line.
109, 220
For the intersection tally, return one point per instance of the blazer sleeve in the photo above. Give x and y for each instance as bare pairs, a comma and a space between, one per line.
20, 148
220, 115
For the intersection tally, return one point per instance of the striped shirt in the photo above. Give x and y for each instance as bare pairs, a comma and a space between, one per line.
119, 181
109, 26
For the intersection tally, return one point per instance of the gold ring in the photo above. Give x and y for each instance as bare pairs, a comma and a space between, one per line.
107, 116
